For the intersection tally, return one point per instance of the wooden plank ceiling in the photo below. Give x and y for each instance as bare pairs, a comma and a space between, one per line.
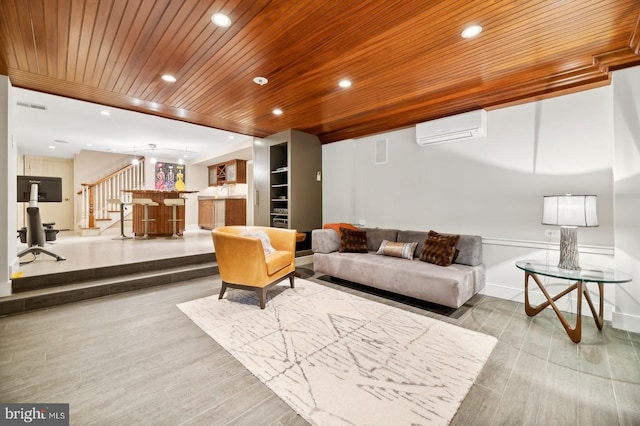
405, 58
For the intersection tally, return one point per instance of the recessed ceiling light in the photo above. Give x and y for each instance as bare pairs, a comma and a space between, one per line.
89, 144
105, 112
344, 83
52, 147
180, 161
169, 78
471, 31
277, 111
221, 20
230, 137
260, 80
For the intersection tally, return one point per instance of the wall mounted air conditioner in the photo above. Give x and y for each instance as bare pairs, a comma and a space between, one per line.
469, 125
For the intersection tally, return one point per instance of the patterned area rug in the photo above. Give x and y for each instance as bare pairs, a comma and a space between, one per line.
339, 359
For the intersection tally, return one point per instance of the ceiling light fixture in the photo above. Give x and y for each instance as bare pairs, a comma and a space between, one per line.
221, 20
260, 80
471, 31
153, 146
135, 161
52, 147
105, 112
344, 83
277, 111
180, 161
169, 78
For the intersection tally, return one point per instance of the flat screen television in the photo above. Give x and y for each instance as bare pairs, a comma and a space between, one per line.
49, 188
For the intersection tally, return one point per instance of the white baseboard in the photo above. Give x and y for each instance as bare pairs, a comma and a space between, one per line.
304, 260
626, 322
5, 289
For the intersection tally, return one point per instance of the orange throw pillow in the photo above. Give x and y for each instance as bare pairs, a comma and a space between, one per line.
336, 227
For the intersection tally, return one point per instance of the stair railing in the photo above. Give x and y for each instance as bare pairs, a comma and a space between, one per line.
95, 195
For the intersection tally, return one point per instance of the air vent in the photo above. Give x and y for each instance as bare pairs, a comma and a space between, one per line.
30, 105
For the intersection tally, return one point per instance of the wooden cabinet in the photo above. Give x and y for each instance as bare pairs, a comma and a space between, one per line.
230, 172
205, 214
213, 213
288, 191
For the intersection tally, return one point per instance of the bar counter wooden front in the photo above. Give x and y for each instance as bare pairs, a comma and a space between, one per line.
161, 213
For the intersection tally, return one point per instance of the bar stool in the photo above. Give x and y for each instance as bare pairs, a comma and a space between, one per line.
174, 202
122, 219
146, 203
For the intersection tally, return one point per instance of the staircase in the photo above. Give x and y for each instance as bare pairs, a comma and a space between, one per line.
44, 291
98, 213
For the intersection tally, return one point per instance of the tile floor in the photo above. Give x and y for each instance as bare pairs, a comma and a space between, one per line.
134, 358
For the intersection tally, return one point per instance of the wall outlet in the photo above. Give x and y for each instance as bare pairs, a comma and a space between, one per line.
552, 233
362, 222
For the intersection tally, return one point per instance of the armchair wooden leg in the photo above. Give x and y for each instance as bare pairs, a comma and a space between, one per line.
292, 278
262, 295
222, 290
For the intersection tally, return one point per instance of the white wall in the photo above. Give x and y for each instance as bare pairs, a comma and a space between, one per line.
195, 178
8, 155
93, 165
626, 112
491, 186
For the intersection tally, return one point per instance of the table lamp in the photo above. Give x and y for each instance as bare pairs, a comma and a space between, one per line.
569, 212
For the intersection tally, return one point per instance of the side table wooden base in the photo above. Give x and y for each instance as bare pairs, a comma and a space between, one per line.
575, 333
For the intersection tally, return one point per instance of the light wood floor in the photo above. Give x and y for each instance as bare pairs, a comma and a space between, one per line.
136, 359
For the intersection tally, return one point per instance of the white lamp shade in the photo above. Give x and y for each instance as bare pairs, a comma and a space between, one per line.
569, 210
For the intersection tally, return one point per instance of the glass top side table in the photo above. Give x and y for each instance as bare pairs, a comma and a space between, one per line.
588, 274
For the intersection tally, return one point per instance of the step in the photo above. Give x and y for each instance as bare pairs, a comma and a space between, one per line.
35, 282
46, 297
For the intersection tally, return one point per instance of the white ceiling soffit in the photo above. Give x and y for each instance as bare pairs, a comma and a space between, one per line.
42, 121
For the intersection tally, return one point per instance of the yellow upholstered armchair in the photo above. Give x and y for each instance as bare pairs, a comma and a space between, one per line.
246, 261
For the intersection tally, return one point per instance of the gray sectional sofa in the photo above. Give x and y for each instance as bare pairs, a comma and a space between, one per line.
449, 286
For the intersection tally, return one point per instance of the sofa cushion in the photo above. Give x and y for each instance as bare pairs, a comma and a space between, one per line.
336, 227
375, 236
469, 246
395, 249
413, 236
352, 241
451, 286
439, 249
324, 241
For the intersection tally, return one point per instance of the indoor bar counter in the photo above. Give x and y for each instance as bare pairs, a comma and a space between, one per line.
162, 214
